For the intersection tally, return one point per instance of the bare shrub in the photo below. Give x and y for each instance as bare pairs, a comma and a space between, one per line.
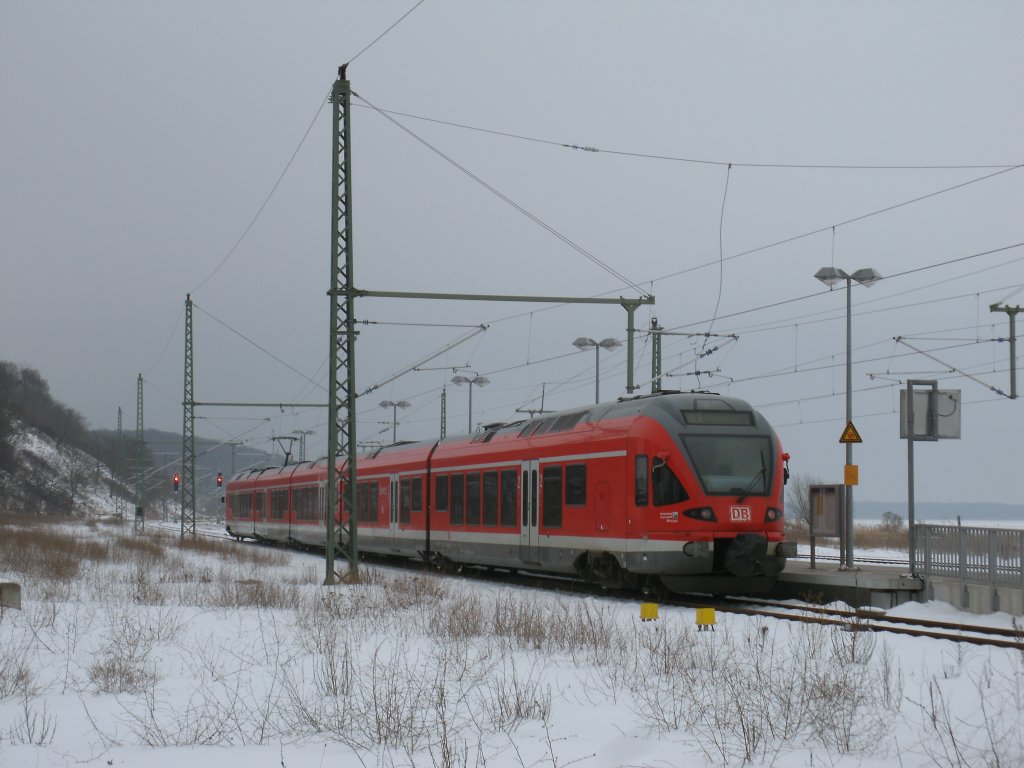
334, 671
459, 619
510, 698
664, 675
112, 672
307, 574
245, 553
144, 548
948, 735
141, 588
520, 619
203, 719
15, 672
744, 695
989, 735
853, 643
588, 627
413, 591
318, 620
33, 726
122, 663
891, 533
227, 592
48, 552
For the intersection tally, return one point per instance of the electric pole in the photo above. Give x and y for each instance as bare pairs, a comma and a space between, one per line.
140, 461
341, 422
119, 479
1012, 313
188, 433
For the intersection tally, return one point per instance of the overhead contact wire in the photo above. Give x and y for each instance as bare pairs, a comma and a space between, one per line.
505, 198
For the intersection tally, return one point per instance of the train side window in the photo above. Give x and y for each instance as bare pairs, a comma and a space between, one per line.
473, 498
374, 500
368, 502
279, 505
490, 498
455, 499
417, 494
533, 498
667, 488
575, 485
260, 505
405, 500
526, 499
441, 493
508, 498
641, 480
551, 510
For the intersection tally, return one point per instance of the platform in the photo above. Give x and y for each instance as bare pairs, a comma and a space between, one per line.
864, 586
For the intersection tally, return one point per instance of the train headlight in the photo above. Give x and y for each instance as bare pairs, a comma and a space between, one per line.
772, 515
701, 513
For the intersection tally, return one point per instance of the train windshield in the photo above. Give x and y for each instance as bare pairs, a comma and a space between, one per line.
731, 464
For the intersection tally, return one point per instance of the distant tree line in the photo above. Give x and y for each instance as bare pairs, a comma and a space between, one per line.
25, 397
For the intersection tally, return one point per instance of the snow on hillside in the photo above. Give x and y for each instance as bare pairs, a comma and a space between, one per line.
57, 479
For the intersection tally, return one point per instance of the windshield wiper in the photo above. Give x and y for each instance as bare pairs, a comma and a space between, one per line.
760, 473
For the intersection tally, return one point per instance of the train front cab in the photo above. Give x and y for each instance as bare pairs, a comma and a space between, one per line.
708, 492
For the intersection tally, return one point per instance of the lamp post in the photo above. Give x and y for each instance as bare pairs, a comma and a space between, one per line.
477, 381
866, 277
584, 342
394, 415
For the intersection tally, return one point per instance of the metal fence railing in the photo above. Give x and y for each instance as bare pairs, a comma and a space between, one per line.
993, 556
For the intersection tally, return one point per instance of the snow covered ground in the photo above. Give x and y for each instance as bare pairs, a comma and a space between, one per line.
157, 655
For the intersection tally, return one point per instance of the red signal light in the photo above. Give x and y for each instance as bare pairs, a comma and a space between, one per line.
220, 480
177, 481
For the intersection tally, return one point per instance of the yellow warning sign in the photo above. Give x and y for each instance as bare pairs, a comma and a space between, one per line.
850, 434
851, 474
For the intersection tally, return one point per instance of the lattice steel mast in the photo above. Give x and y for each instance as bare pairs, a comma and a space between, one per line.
140, 461
188, 433
119, 483
341, 422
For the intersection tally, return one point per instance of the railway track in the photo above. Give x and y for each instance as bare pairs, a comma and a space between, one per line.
864, 620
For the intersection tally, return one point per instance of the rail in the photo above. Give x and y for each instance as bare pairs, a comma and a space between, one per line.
993, 556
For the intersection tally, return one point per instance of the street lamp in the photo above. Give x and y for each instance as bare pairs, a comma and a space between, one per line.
478, 381
586, 343
394, 415
866, 277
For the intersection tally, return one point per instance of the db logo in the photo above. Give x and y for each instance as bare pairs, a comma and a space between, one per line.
739, 514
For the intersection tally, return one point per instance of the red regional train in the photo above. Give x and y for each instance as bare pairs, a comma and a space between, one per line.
685, 489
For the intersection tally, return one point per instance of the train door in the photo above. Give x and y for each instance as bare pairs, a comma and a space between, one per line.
393, 502
529, 531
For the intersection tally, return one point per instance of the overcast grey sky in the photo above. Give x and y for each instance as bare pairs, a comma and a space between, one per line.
138, 141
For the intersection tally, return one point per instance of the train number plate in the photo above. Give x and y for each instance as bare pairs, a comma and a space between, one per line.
739, 514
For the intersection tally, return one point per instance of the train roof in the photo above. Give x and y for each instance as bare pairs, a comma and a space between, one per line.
663, 406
